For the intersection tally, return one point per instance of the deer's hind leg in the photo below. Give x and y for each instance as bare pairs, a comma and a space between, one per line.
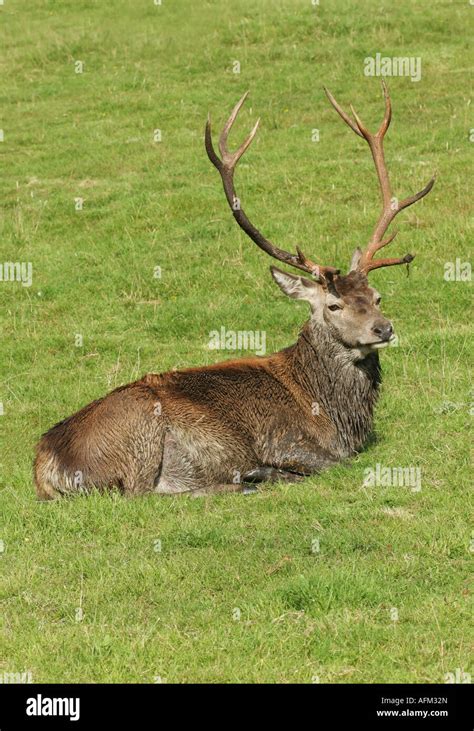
197, 463
142, 459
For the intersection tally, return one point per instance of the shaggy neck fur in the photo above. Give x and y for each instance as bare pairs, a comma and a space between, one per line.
344, 387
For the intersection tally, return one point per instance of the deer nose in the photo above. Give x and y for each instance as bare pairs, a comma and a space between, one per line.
383, 330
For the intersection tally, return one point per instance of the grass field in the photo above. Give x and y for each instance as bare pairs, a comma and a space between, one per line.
325, 581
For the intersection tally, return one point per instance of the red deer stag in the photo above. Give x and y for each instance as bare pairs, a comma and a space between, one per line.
281, 417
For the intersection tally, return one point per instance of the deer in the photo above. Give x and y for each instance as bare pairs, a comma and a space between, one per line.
229, 426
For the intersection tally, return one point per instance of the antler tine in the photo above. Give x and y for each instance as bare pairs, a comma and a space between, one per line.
377, 263
388, 240
388, 112
228, 157
211, 153
342, 113
390, 206
226, 167
417, 196
246, 143
364, 132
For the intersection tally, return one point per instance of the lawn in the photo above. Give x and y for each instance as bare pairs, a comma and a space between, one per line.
107, 191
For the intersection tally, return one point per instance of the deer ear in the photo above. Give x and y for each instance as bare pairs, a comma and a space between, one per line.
355, 260
298, 288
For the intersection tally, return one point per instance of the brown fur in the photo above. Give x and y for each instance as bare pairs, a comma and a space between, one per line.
206, 428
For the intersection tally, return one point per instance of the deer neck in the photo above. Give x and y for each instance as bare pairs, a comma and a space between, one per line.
344, 387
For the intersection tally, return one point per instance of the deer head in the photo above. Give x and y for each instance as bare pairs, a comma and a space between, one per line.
345, 304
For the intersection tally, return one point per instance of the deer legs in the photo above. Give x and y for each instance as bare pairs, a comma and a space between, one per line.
294, 467
266, 473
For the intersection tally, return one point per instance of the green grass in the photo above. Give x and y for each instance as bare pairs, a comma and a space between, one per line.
303, 614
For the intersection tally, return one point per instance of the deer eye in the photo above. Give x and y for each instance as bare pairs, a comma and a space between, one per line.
333, 308
378, 301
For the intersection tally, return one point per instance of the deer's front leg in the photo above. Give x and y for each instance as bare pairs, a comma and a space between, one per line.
266, 473
301, 457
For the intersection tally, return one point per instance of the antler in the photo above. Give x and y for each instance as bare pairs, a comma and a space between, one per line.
390, 206
226, 167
